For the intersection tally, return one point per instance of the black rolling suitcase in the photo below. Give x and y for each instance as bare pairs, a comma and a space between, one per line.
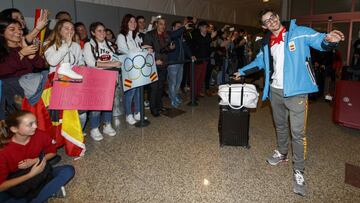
234, 122
234, 126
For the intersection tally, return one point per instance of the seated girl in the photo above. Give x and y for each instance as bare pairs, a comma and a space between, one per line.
22, 145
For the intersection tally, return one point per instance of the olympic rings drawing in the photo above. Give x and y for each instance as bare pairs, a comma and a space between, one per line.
145, 69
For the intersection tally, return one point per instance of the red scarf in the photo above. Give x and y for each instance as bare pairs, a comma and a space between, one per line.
277, 40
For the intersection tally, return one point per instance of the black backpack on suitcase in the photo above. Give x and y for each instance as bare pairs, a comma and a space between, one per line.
234, 125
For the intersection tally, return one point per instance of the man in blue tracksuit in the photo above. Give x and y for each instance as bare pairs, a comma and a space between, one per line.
285, 58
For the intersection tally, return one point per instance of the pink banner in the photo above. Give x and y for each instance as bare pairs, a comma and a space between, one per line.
95, 92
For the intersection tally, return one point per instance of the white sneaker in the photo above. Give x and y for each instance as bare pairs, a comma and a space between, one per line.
130, 119
137, 116
146, 104
65, 69
328, 97
107, 129
96, 135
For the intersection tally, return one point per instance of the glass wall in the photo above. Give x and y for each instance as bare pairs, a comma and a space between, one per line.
343, 46
345, 18
355, 37
331, 6
300, 7
357, 5
320, 26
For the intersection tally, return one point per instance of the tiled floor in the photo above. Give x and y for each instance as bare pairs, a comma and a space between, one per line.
179, 160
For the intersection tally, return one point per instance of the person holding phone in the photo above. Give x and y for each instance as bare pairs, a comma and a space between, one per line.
17, 58
21, 146
180, 53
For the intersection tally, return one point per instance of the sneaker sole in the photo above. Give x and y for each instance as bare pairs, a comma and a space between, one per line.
299, 193
274, 164
63, 191
110, 134
97, 139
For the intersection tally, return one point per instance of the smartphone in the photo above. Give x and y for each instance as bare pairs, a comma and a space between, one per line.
41, 156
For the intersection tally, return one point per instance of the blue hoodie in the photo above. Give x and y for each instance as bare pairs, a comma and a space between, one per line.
298, 76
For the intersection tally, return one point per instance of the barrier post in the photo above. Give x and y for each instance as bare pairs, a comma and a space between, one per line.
193, 100
142, 122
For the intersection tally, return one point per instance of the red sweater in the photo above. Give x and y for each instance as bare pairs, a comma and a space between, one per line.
13, 153
12, 65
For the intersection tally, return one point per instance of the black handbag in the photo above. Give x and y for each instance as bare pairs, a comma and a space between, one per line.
32, 187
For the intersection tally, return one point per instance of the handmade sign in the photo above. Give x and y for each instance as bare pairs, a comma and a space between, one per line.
138, 69
95, 92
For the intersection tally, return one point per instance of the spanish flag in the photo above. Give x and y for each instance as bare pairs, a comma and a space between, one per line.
66, 125
41, 35
127, 83
153, 76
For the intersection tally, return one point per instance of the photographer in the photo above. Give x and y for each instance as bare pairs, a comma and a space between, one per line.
182, 51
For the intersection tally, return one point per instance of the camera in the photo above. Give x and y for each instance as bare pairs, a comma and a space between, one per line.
190, 18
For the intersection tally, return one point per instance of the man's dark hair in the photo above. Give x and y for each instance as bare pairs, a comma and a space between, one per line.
61, 13
203, 23
263, 12
139, 17
175, 22
78, 24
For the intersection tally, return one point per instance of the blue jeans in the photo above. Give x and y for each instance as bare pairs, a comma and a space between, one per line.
130, 96
62, 175
95, 118
175, 74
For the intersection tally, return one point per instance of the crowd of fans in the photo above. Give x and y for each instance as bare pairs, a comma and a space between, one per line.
70, 44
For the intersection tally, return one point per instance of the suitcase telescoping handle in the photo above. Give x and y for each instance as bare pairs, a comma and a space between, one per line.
242, 80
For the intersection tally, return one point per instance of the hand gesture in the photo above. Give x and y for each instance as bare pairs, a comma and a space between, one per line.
117, 64
148, 47
159, 62
37, 168
27, 163
335, 36
193, 58
42, 21
150, 50
236, 76
188, 26
27, 50
172, 45
153, 19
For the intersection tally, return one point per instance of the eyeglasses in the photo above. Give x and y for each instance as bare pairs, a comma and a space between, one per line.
272, 18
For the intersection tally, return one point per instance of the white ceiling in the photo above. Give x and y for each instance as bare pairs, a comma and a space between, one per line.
242, 12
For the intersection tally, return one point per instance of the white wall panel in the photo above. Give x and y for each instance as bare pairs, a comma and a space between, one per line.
200, 9
89, 13
4, 4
